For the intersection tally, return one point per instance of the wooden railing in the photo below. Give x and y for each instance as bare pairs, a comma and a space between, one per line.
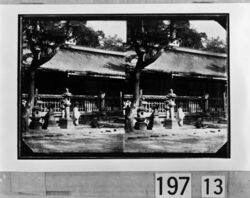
86, 103
188, 103
91, 103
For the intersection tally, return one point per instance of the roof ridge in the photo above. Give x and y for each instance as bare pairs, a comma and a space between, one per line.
124, 54
96, 50
201, 52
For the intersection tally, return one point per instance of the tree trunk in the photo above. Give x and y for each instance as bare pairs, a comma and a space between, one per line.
129, 124
31, 91
31, 97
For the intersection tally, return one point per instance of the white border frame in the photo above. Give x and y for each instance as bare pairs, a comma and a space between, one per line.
239, 82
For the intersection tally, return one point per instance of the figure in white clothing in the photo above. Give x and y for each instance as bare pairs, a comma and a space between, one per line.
76, 114
180, 116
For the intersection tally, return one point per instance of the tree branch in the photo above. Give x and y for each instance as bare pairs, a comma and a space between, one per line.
38, 61
152, 59
46, 58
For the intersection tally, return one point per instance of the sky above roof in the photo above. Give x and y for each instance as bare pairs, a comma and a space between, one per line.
110, 28
211, 28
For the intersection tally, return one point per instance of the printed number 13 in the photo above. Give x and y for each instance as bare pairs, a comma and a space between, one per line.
213, 186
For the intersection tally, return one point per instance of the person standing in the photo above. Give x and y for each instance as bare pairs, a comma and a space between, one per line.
180, 116
76, 114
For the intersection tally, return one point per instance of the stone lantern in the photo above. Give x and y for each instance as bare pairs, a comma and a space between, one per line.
36, 118
170, 120
66, 121
141, 117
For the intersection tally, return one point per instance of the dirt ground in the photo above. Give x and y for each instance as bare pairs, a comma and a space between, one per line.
181, 140
83, 139
75, 140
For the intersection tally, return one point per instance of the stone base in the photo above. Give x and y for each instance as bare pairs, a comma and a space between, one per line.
35, 125
140, 126
157, 121
52, 123
170, 124
52, 126
65, 123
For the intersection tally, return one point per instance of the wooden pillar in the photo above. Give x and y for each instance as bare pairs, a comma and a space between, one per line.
102, 101
36, 96
141, 92
225, 101
121, 100
206, 102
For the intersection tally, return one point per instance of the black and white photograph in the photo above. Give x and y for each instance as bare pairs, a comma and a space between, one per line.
123, 86
119, 99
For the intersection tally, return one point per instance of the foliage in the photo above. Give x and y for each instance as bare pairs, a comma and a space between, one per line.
42, 38
215, 45
86, 36
111, 43
188, 37
147, 38
192, 39
150, 36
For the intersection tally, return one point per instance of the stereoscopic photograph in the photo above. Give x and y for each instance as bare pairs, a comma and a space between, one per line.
123, 86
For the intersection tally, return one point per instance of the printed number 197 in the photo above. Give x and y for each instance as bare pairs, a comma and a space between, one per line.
173, 185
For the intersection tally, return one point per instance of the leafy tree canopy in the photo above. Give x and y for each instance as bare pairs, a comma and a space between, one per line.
147, 38
112, 43
215, 45
187, 36
42, 39
86, 36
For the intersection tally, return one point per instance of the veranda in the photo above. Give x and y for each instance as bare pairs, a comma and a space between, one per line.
89, 104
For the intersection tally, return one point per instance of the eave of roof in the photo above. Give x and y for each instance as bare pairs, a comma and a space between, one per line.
199, 52
78, 60
189, 64
88, 61
96, 50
